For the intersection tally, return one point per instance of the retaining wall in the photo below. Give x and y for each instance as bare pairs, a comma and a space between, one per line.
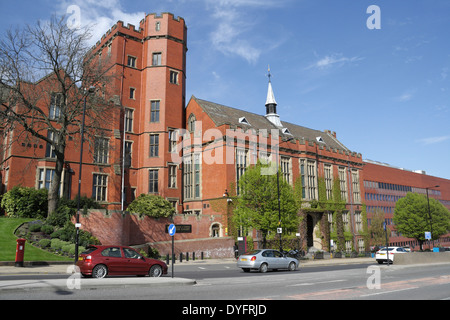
421, 257
115, 228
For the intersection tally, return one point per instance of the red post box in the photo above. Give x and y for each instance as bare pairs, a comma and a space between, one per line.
20, 251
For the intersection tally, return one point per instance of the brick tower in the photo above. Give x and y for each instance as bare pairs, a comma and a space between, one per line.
150, 87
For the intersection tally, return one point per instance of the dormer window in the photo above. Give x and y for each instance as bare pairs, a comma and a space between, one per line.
320, 139
244, 121
286, 131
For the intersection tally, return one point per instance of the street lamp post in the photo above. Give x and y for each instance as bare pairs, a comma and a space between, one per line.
429, 212
77, 225
279, 200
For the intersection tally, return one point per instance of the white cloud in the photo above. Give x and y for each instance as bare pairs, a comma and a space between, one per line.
232, 32
444, 73
405, 97
100, 16
433, 140
336, 59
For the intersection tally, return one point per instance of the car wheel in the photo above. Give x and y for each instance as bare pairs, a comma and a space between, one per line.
100, 271
263, 268
292, 266
155, 271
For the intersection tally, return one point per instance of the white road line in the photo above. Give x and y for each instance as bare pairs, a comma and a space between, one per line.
384, 292
314, 283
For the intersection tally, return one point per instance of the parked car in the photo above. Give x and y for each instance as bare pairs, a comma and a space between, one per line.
382, 255
266, 259
100, 261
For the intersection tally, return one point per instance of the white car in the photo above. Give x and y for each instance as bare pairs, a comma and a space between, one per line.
382, 255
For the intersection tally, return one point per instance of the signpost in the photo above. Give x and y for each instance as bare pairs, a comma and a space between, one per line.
428, 237
387, 244
172, 229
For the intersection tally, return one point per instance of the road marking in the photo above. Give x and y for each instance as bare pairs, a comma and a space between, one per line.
314, 283
202, 268
391, 291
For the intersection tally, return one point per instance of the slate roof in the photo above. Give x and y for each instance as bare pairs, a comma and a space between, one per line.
223, 115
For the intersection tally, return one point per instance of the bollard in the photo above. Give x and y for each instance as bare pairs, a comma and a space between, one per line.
167, 259
181, 257
193, 256
201, 255
187, 256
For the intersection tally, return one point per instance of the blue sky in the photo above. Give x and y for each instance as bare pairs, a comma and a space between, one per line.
386, 92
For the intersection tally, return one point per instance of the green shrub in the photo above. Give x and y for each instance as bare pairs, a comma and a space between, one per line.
152, 206
45, 243
80, 249
57, 244
153, 253
47, 229
23, 202
56, 234
35, 227
59, 217
66, 248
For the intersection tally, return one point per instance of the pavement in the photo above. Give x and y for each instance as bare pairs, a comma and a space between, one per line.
75, 281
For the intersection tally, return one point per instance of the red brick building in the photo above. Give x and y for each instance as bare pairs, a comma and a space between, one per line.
384, 185
225, 141
194, 155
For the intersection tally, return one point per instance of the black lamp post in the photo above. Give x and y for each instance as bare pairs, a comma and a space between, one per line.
77, 225
278, 191
429, 212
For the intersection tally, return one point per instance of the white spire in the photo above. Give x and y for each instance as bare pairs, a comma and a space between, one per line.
271, 105
270, 95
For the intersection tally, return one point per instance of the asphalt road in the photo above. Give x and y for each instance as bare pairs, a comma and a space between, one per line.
202, 272
227, 283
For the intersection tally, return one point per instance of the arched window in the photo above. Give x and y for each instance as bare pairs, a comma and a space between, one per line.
191, 123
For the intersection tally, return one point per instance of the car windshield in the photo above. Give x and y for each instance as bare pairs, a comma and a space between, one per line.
252, 252
89, 250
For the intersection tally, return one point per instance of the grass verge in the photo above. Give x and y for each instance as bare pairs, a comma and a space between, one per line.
8, 244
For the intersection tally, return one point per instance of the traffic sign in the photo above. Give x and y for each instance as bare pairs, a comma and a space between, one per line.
180, 228
172, 230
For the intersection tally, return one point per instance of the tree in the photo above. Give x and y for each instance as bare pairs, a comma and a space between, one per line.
151, 206
44, 72
377, 228
257, 203
412, 218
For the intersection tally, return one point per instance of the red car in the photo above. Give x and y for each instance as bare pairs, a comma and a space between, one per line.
99, 261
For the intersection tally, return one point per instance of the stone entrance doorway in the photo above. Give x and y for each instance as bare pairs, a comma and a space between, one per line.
313, 235
309, 231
